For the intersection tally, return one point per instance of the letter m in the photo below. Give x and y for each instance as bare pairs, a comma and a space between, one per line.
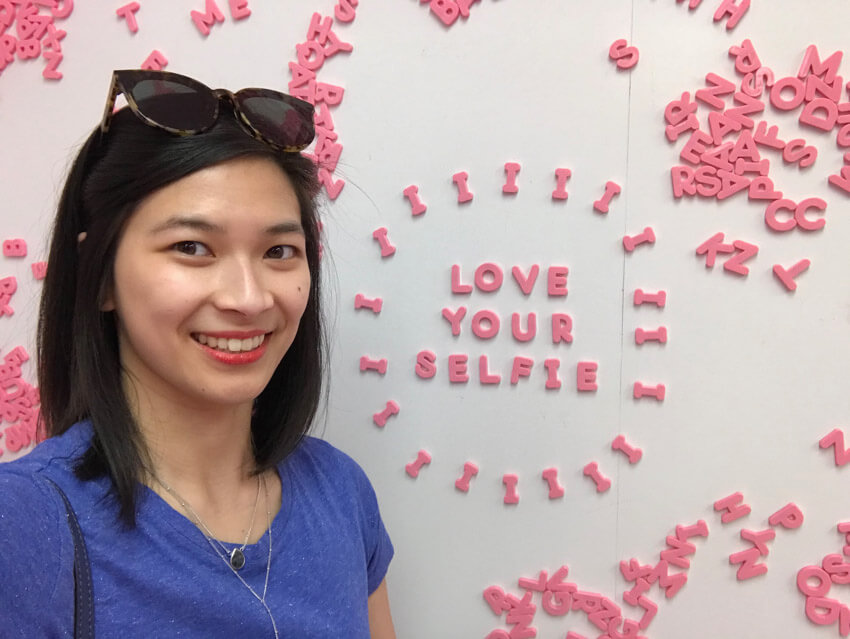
205, 20
826, 69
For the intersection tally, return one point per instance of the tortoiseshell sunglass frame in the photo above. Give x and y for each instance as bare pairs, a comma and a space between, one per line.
123, 81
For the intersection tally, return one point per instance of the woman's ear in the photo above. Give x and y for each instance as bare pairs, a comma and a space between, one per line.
108, 303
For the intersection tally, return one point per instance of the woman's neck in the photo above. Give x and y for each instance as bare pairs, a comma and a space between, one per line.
205, 458
205, 449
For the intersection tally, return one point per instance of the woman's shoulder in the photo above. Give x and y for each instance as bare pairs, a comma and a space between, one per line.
32, 513
26, 498
317, 463
319, 455
22, 481
37, 551
53, 456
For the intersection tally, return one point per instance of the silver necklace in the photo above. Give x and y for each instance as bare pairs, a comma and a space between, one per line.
223, 555
237, 555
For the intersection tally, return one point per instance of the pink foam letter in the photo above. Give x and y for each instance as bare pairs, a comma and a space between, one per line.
557, 281
413, 468
553, 382
625, 56
462, 483
510, 482
561, 177
425, 364
380, 418
457, 287
550, 475
586, 376
128, 12
457, 369
387, 248
492, 321
460, 178
733, 507
611, 189
521, 368
203, 21
734, 11
511, 170
416, 205
789, 516
602, 483
562, 326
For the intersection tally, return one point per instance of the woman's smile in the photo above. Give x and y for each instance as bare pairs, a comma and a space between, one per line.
232, 344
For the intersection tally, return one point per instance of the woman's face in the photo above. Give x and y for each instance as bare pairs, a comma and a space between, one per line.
210, 283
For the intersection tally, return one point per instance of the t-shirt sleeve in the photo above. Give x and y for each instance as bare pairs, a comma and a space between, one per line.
36, 561
376, 541
379, 548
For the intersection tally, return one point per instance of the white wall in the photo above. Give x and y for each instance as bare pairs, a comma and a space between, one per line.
755, 375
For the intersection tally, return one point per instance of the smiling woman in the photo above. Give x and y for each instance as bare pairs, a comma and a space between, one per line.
180, 366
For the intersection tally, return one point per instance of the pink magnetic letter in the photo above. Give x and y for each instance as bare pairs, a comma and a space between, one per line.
489, 277
492, 324
625, 56
128, 12
457, 369
558, 281
460, 178
521, 368
203, 21
511, 170
586, 376
457, 287
789, 516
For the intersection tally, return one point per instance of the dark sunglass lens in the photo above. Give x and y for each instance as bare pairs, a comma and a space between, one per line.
175, 105
278, 120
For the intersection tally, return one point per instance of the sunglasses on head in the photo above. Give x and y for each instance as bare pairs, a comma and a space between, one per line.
183, 106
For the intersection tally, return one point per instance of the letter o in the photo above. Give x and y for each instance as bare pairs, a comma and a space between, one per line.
492, 324
781, 103
488, 277
813, 572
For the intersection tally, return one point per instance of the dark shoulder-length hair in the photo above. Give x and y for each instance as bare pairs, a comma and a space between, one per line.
79, 370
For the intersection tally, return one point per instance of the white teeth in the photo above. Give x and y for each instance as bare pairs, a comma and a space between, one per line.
232, 345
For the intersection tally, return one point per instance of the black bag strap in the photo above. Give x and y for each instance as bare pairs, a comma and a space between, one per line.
83, 588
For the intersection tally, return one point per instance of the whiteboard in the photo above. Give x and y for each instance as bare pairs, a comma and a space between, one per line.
755, 375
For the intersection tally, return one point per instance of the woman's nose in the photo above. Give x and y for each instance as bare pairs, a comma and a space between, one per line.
241, 287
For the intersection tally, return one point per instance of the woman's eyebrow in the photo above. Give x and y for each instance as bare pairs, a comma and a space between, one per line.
201, 224
285, 227
188, 222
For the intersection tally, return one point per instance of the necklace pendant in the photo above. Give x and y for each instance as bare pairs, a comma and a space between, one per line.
237, 559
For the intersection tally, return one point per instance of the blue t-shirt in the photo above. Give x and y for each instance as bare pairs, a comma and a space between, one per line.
330, 551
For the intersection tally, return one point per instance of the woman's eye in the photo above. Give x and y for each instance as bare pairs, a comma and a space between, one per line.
191, 248
281, 252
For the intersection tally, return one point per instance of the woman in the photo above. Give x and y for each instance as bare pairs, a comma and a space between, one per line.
180, 366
